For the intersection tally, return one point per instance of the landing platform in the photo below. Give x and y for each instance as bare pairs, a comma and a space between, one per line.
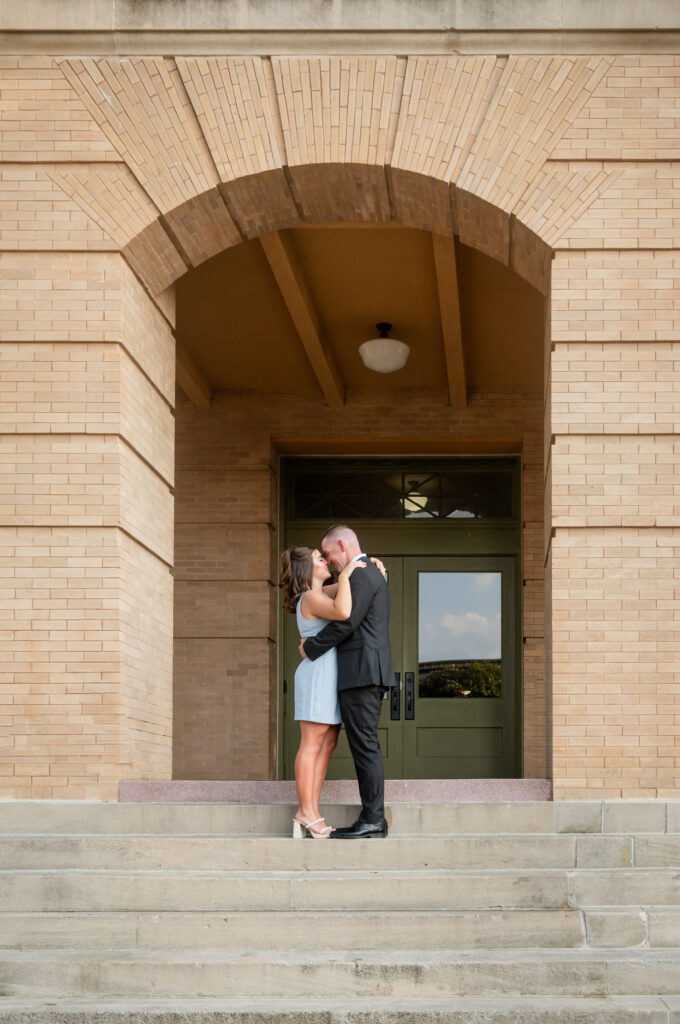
342, 792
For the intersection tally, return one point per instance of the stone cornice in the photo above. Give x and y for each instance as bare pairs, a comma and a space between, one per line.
204, 43
334, 15
211, 27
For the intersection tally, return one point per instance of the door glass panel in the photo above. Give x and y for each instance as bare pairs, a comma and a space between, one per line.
459, 634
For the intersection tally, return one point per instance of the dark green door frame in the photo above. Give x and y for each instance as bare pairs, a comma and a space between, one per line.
474, 541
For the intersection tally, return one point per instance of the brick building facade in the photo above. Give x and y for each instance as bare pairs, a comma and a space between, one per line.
132, 513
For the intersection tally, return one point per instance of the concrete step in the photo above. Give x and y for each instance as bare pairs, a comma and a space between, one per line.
404, 973
310, 930
206, 853
604, 928
507, 889
286, 890
576, 816
324, 1010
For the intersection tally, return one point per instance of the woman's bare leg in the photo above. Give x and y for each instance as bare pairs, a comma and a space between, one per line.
329, 744
312, 737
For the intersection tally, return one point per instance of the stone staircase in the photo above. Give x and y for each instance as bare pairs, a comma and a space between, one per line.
487, 913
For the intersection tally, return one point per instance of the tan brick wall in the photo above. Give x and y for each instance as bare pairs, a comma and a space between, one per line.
42, 118
631, 115
614, 655
226, 555
614, 396
86, 435
85, 610
100, 209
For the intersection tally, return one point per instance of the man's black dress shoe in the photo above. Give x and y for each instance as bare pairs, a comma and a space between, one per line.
362, 830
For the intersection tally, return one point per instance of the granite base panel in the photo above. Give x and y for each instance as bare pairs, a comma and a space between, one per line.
422, 791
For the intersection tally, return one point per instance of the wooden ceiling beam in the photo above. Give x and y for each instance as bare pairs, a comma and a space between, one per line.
444, 251
286, 269
190, 379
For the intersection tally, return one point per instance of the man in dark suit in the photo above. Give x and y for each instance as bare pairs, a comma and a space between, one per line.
364, 673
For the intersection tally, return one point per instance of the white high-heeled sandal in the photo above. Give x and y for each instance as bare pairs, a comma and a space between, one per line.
299, 828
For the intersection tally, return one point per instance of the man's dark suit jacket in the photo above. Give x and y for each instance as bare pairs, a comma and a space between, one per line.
362, 640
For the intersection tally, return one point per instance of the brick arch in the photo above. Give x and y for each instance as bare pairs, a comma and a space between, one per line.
454, 144
257, 204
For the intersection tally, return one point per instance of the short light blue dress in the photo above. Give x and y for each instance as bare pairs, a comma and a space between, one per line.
316, 682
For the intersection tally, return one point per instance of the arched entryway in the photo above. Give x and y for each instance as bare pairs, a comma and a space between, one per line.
272, 328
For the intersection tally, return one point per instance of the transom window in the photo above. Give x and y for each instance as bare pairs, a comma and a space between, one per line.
452, 491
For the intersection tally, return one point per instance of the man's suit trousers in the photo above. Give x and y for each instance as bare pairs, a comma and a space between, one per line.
360, 709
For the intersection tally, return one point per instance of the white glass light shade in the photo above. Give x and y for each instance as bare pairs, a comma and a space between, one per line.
414, 502
384, 355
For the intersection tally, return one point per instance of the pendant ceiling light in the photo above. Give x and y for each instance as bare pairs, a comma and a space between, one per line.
413, 502
384, 354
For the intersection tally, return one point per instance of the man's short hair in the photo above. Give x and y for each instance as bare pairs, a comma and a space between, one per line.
341, 532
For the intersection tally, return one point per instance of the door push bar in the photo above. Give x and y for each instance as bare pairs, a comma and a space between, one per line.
395, 698
409, 711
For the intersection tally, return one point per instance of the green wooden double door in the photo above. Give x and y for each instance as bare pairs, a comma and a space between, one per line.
453, 712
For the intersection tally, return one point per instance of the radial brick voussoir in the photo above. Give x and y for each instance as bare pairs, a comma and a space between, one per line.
338, 109
237, 110
443, 102
560, 195
638, 208
112, 197
535, 102
143, 109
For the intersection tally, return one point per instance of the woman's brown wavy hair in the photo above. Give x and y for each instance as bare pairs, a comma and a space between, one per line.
297, 568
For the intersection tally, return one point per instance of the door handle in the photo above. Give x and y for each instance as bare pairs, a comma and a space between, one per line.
395, 698
410, 710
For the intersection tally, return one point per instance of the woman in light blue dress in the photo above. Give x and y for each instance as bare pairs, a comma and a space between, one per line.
304, 571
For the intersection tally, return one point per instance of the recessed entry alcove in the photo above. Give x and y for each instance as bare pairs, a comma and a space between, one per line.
467, 425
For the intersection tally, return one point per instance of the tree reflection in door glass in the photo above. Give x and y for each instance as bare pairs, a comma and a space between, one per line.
459, 634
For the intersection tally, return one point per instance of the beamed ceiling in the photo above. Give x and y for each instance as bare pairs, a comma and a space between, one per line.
288, 312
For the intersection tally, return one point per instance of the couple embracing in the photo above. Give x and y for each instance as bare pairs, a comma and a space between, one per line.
345, 671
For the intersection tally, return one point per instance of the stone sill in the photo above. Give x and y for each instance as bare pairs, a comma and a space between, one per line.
341, 791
